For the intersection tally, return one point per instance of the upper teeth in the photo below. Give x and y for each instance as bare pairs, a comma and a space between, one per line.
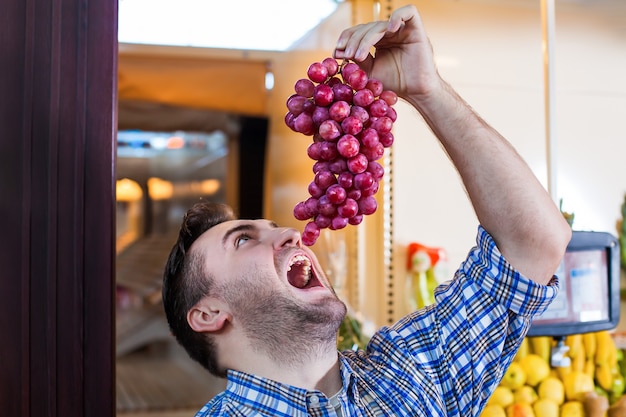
306, 265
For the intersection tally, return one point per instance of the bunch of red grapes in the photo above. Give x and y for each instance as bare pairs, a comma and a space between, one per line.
350, 117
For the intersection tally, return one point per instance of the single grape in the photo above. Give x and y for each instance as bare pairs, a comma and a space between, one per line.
295, 104
348, 146
339, 110
391, 113
375, 86
382, 124
371, 190
364, 98
354, 194
338, 165
300, 211
331, 65
338, 222
329, 130
358, 163
309, 239
354, 220
309, 106
313, 151
369, 137
389, 96
320, 166
332, 81
311, 206
376, 170
323, 95
348, 208
343, 92
315, 190
386, 139
336, 194
348, 69
367, 205
322, 221
345, 179
317, 72
351, 125
360, 113
310, 234
325, 179
373, 153
304, 87
363, 180
303, 123
358, 79
289, 118
326, 207
320, 114
328, 150
378, 108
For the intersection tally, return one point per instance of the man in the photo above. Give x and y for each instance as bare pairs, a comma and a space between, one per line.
250, 302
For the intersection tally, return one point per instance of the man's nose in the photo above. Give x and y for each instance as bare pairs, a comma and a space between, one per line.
286, 236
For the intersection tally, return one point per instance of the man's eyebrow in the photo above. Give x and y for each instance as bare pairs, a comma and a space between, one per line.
240, 228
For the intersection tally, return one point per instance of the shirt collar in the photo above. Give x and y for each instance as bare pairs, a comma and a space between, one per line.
261, 394
348, 378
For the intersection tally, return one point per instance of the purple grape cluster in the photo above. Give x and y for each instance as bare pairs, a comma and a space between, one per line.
350, 117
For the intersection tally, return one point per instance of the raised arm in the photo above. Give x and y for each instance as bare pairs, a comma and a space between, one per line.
509, 201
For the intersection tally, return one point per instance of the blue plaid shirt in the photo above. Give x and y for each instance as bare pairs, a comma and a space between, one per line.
444, 360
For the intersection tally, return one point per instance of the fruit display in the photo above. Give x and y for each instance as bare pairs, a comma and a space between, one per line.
592, 385
349, 117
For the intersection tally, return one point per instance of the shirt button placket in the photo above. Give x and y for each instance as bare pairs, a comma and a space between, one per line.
315, 408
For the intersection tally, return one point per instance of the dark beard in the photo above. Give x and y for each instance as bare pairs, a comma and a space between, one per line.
287, 330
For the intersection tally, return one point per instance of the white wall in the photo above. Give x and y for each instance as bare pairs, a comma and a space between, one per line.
491, 52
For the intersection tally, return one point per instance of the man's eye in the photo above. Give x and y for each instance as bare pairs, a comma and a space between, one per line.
242, 239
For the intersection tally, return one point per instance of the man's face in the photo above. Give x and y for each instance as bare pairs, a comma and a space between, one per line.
273, 284
242, 249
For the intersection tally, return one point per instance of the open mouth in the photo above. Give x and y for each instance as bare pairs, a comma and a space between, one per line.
300, 273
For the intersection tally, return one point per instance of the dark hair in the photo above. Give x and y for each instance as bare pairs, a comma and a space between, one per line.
185, 281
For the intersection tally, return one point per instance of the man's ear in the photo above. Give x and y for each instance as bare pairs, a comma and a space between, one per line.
208, 315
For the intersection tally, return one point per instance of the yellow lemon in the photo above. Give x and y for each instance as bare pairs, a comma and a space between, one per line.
573, 409
525, 394
501, 396
493, 410
546, 408
514, 377
536, 369
552, 388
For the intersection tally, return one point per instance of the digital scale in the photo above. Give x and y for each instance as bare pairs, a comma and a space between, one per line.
589, 298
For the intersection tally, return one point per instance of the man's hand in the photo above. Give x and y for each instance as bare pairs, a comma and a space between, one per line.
403, 58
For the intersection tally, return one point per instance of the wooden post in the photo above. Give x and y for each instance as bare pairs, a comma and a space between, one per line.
58, 78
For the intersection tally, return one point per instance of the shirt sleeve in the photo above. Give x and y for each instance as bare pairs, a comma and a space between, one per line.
467, 339
487, 268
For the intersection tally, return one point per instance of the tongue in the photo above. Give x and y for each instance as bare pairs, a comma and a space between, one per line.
297, 277
299, 282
